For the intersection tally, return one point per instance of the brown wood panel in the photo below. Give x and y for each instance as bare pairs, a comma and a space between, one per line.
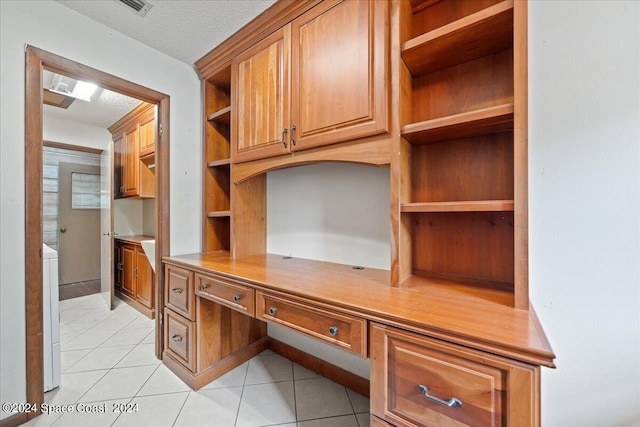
179, 294
222, 331
440, 13
521, 159
339, 73
129, 269
260, 81
473, 316
226, 292
343, 331
216, 234
218, 92
144, 279
479, 168
472, 37
179, 338
377, 422
474, 85
465, 125
249, 217
217, 189
148, 137
474, 246
130, 163
118, 155
491, 388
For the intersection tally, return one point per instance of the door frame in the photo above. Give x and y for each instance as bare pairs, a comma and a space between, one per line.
36, 60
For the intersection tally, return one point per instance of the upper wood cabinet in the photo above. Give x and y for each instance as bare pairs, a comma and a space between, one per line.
148, 136
261, 76
134, 138
319, 80
130, 162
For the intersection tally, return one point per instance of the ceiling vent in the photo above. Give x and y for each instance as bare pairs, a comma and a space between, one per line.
141, 7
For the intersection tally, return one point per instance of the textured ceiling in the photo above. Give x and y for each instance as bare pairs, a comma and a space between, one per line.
185, 29
105, 108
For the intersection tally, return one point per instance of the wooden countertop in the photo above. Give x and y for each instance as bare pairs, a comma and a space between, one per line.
134, 239
479, 318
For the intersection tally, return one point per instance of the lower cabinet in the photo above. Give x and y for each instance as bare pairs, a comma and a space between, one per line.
134, 277
421, 381
209, 325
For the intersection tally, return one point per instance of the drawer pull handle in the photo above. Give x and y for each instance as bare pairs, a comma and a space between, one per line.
236, 298
176, 338
452, 403
273, 311
176, 290
333, 331
204, 287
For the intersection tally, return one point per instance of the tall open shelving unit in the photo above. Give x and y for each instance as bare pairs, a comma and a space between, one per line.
217, 161
463, 123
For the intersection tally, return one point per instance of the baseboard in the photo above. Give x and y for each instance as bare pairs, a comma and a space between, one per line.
14, 420
334, 373
149, 312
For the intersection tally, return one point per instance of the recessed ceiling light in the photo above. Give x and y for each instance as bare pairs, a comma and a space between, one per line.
71, 87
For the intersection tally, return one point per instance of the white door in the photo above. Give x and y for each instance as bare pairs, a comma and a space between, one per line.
106, 226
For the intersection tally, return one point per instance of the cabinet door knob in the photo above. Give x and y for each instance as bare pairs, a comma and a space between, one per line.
176, 338
293, 140
236, 298
203, 287
284, 137
273, 311
452, 403
333, 331
176, 290
63, 230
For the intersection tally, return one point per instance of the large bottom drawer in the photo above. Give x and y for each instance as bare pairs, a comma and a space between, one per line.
421, 381
179, 339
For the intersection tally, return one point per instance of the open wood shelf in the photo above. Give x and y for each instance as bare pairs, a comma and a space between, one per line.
474, 36
217, 163
460, 206
218, 214
465, 125
221, 116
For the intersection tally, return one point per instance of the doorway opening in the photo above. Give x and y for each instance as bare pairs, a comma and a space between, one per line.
37, 61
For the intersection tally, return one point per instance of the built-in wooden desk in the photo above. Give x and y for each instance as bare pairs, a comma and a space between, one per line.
216, 308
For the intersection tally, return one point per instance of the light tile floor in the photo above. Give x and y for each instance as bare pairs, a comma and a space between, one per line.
107, 363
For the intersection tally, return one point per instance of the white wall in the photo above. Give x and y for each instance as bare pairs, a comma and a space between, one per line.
334, 212
584, 157
55, 129
50, 26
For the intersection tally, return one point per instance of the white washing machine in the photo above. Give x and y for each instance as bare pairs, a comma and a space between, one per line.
51, 319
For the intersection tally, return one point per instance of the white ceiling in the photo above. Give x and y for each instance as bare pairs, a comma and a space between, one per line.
183, 29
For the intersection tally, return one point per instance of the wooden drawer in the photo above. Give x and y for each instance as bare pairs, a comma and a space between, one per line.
426, 382
225, 292
178, 294
179, 339
342, 330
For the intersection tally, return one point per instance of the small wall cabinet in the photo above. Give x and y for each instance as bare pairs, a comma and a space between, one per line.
134, 277
134, 151
316, 81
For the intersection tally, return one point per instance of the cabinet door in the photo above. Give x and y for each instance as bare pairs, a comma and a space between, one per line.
117, 166
130, 162
147, 137
144, 279
339, 73
117, 261
260, 78
128, 269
